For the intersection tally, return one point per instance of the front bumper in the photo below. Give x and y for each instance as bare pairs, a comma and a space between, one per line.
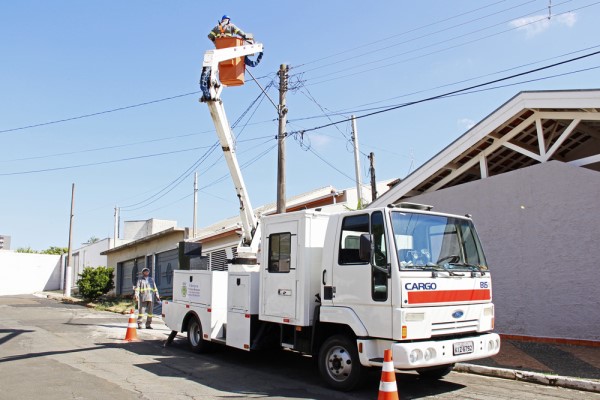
415, 355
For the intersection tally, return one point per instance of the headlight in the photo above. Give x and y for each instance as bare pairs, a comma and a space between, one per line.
429, 354
415, 316
491, 345
488, 312
415, 356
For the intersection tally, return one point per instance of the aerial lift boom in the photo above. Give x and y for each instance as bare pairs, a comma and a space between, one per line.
212, 88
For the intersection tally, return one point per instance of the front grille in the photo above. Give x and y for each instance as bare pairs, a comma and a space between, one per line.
448, 328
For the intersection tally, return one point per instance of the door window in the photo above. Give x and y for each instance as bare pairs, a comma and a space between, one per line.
379, 267
352, 227
280, 248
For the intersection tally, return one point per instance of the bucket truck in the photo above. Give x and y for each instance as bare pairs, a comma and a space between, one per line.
340, 286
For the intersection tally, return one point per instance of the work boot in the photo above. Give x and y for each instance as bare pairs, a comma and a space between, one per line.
139, 326
148, 327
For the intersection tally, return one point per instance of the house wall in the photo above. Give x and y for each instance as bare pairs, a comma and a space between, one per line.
24, 273
539, 227
148, 248
89, 256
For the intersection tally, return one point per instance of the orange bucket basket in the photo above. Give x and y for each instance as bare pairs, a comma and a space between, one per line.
231, 72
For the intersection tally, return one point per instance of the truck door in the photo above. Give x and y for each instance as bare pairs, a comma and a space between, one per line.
279, 280
364, 286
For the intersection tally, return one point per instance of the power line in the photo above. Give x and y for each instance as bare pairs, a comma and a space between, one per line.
390, 108
430, 53
400, 34
99, 162
98, 113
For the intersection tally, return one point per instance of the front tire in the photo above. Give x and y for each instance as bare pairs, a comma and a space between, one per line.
435, 373
194, 334
339, 364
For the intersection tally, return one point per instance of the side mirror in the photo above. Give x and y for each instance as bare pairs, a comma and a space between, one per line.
364, 251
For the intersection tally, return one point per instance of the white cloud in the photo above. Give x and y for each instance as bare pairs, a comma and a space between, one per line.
465, 123
319, 142
537, 24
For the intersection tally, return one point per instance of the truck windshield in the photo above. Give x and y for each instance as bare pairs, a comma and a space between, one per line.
436, 242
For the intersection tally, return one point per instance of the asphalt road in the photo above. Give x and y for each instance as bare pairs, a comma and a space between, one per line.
52, 351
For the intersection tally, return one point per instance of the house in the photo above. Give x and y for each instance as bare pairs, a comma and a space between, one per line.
529, 173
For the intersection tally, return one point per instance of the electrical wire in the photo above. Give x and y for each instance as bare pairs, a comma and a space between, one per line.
400, 34
100, 162
98, 113
391, 108
315, 80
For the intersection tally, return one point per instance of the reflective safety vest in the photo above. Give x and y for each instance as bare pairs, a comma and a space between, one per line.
225, 30
145, 288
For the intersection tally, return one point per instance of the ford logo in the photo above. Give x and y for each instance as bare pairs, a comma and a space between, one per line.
457, 314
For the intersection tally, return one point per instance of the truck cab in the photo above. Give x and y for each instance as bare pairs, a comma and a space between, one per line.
400, 277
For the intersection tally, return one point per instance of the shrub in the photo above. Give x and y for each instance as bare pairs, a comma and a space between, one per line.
94, 282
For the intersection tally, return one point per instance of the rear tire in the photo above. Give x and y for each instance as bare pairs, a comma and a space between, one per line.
339, 364
435, 373
194, 334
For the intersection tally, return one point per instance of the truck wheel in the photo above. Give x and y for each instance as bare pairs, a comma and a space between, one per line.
339, 364
436, 372
194, 334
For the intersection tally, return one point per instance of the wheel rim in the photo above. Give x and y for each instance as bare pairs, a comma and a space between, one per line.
339, 363
195, 333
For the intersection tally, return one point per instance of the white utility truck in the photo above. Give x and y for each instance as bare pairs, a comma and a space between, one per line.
341, 286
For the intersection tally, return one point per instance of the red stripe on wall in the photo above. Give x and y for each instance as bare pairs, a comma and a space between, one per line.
447, 296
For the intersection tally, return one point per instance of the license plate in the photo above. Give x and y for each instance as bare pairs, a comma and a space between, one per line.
463, 348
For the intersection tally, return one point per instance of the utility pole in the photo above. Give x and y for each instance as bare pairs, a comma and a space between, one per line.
356, 162
68, 271
372, 173
195, 204
282, 110
116, 226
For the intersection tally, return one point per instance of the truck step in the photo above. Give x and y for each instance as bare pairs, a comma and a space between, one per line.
376, 360
218, 340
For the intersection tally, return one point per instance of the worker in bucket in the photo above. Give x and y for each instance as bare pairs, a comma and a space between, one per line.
225, 29
145, 290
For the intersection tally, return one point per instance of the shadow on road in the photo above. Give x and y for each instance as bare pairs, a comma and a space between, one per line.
11, 334
256, 374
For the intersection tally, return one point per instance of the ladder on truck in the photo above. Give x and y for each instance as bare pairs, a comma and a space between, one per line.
212, 89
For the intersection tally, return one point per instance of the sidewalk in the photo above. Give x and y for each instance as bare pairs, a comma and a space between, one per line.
567, 365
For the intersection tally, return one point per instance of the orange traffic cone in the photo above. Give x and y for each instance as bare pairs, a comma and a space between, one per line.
131, 334
387, 387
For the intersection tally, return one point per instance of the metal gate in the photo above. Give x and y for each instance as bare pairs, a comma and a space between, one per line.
166, 263
130, 270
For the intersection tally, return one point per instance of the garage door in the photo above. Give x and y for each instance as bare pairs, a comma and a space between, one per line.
166, 263
129, 275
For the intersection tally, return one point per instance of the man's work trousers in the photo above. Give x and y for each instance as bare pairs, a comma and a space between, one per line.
145, 310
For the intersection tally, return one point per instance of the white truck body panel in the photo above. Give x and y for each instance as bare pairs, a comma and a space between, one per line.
289, 297
242, 304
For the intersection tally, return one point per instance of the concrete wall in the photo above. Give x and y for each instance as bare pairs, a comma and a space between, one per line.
539, 227
23, 273
163, 243
133, 230
89, 256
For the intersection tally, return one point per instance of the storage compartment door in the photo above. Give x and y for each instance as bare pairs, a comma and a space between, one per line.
279, 295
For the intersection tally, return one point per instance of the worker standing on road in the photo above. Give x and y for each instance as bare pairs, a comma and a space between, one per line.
145, 290
225, 28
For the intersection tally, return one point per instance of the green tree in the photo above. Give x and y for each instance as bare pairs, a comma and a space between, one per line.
92, 239
55, 250
95, 282
25, 250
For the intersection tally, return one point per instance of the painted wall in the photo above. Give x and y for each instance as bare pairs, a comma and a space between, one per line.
539, 227
89, 256
23, 273
151, 247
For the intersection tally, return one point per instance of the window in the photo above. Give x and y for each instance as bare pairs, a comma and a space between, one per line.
280, 249
380, 258
352, 228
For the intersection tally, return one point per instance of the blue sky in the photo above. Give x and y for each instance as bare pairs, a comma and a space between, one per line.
64, 59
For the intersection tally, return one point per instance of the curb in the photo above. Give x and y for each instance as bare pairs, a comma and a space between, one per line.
531, 377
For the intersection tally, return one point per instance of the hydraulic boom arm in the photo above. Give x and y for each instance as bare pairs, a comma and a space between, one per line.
211, 89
